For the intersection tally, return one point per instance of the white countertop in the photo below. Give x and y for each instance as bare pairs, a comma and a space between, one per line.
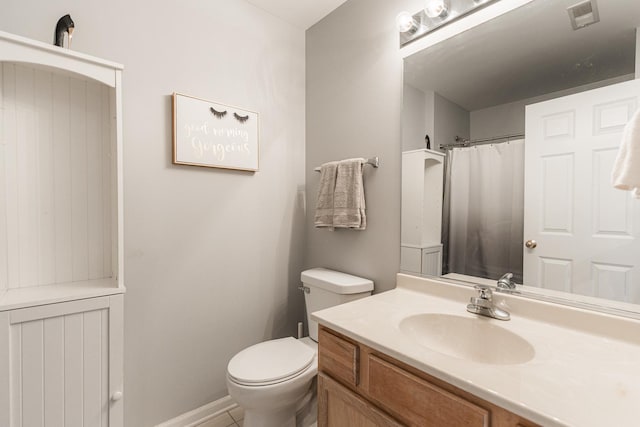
585, 371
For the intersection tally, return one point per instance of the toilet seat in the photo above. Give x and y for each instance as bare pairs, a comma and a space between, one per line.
270, 362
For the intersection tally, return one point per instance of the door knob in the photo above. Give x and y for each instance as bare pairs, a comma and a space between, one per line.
531, 244
116, 396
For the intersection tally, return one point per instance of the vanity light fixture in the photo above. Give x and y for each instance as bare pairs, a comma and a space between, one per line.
437, 8
435, 14
406, 23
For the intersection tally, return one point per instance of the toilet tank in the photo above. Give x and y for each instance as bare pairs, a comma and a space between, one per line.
325, 288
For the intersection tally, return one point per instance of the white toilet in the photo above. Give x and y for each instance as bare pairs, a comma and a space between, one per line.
272, 380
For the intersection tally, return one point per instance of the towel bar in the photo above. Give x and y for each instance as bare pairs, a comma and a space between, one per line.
373, 161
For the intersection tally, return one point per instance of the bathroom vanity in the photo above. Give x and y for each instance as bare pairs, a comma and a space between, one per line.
61, 237
414, 356
353, 374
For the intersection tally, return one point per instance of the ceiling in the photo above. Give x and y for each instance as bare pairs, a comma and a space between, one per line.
528, 52
301, 13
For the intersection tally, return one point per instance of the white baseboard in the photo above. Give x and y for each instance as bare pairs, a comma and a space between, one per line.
201, 414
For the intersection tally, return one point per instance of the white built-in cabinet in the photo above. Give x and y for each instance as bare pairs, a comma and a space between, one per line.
61, 237
63, 362
422, 187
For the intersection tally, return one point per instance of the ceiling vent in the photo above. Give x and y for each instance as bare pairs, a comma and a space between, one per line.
583, 14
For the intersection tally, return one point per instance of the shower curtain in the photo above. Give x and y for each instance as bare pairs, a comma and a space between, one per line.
484, 210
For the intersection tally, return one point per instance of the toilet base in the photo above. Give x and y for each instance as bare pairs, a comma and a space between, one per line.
291, 403
304, 414
307, 413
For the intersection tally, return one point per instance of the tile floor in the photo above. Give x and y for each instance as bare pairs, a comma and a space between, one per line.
231, 418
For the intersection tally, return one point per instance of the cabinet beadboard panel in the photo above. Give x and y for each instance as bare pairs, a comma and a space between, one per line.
60, 357
57, 191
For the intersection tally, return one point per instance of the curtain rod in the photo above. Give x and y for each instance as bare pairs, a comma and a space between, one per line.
463, 142
373, 161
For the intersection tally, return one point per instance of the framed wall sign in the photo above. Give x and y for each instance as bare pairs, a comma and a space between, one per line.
214, 135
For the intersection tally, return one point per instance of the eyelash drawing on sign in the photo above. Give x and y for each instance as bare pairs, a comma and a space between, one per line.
240, 118
218, 114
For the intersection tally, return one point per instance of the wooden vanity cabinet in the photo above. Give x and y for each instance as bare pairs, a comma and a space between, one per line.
339, 406
359, 386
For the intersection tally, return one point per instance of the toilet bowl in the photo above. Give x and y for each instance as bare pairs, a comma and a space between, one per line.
272, 380
269, 380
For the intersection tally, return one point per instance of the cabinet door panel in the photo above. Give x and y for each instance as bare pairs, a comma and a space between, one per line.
54, 371
5, 369
338, 357
340, 407
73, 369
32, 375
418, 402
56, 365
94, 357
116, 362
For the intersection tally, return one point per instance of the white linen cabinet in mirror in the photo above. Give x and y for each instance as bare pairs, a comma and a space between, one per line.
61, 237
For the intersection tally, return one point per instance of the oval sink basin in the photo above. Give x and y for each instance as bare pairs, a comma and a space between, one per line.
474, 339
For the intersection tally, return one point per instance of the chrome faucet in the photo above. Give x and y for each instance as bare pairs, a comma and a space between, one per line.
506, 283
484, 306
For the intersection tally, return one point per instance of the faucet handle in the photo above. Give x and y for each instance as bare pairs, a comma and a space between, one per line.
507, 276
505, 281
483, 305
484, 292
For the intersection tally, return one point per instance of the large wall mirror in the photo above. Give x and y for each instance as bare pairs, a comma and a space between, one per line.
524, 116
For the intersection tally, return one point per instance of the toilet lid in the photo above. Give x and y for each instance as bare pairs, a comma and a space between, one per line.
270, 362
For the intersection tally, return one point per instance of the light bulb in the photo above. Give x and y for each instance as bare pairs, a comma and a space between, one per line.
405, 22
437, 8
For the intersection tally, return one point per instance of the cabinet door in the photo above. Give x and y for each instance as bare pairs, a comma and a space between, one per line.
338, 357
418, 402
340, 407
59, 364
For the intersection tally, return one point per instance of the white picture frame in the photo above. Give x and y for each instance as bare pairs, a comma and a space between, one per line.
214, 135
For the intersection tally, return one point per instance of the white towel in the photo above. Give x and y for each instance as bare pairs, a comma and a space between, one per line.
626, 170
324, 201
348, 197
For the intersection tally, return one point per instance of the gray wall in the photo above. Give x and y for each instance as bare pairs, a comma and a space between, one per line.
431, 113
354, 101
450, 120
415, 120
504, 119
509, 119
212, 257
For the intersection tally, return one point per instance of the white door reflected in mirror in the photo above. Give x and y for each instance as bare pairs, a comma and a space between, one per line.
589, 231
527, 79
